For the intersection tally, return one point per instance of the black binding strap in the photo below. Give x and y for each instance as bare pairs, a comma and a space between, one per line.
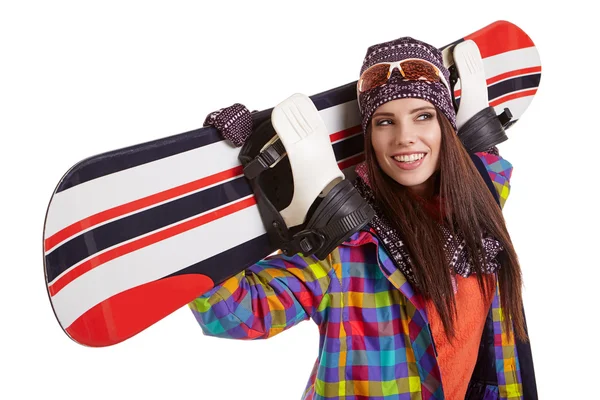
265, 159
484, 129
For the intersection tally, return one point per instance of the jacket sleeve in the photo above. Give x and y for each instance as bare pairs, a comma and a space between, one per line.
499, 171
269, 297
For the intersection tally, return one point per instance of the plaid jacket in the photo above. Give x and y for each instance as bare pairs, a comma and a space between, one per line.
375, 338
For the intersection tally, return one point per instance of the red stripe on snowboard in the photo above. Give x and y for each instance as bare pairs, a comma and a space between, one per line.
336, 137
139, 204
513, 96
130, 312
151, 239
500, 37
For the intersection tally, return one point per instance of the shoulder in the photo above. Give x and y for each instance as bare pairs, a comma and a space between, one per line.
494, 163
348, 251
499, 171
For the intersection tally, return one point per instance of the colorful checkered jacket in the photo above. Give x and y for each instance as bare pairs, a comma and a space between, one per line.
375, 340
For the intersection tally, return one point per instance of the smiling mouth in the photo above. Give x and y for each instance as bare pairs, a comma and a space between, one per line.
409, 163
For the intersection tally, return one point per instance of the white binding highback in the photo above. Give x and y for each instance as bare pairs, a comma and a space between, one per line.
306, 140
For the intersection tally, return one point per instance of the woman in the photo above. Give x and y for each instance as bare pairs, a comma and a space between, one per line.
426, 301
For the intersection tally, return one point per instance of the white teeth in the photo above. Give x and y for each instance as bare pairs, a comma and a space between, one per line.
412, 157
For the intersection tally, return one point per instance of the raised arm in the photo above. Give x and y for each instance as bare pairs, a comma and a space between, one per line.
271, 296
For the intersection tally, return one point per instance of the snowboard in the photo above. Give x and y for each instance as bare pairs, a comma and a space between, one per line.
134, 234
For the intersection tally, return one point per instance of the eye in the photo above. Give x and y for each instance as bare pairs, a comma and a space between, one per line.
383, 122
424, 116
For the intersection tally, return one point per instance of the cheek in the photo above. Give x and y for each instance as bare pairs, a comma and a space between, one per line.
379, 146
435, 143
433, 139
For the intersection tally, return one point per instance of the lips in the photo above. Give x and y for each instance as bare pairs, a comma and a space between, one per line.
410, 165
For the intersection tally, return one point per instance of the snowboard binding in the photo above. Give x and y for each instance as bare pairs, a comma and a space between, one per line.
305, 203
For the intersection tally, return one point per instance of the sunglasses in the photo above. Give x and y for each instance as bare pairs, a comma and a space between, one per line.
411, 69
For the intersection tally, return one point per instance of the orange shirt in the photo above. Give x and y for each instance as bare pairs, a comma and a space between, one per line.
457, 359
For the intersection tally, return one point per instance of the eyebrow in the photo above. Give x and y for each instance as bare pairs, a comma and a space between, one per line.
416, 110
389, 114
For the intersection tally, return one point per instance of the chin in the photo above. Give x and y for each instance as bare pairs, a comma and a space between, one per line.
411, 181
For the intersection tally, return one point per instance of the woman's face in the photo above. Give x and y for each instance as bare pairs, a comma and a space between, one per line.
406, 137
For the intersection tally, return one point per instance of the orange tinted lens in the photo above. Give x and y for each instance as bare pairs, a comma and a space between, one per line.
415, 70
374, 76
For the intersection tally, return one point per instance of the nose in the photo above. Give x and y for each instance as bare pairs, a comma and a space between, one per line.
404, 135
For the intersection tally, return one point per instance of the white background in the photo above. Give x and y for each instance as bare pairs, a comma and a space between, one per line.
77, 80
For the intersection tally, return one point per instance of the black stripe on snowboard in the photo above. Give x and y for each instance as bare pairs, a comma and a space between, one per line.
512, 85
231, 261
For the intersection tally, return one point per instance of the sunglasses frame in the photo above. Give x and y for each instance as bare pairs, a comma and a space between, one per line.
397, 64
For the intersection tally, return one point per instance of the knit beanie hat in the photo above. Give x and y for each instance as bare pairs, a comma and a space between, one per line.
397, 87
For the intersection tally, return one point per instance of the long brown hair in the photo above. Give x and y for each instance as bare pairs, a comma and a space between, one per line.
468, 208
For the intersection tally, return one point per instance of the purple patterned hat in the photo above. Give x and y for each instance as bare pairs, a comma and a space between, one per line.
396, 87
